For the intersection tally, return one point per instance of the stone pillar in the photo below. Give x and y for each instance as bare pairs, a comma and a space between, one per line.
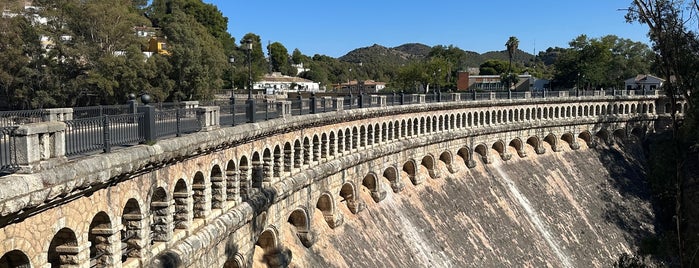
334, 220
434, 173
58, 114
397, 185
161, 225
190, 104
39, 144
134, 236
527, 94
355, 206
108, 245
339, 104
316, 152
420, 98
308, 238
381, 101
183, 210
522, 153
201, 209
540, 149
332, 146
218, 192
284, 108
74, 256
455, 97
298, 153
245, 183
266, 169
306, 154
208, 117
505, 156
232, 184
277, 165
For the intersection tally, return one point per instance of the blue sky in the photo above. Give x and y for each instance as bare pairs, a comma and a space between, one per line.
334, 28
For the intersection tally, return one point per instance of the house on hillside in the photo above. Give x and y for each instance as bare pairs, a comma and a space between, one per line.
275, 83
367, 86
644, 82
526, 82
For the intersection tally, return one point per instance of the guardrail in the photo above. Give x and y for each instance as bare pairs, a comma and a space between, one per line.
88, 130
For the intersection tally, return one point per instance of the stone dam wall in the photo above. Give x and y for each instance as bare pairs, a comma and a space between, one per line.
568, 209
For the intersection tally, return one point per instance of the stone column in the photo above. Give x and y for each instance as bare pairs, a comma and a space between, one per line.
232, 184
58, 114
245, 184
284, 108
218, 192
183, 210
209, 117
39, 145
161, 225
339, 104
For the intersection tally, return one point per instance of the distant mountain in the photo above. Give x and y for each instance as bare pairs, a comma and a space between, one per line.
377, 54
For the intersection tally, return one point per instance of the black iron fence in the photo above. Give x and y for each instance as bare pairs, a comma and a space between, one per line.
95, 134
15, 118
98, 111
8, 156
175, 122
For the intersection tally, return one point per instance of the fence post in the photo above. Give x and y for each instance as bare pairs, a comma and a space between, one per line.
147, 124
312, 104
250, 110
402, 98
361, 100
178, 122
208, 117
106, 136
266, 102
232, 101
300, 104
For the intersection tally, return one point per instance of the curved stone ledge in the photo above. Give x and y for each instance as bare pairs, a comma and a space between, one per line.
27, 192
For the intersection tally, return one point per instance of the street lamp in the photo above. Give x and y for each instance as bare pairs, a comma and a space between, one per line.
231, 60
247, 45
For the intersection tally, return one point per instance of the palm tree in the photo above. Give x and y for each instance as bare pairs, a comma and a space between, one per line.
511, 45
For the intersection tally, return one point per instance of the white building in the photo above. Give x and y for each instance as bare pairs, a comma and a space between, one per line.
644, 82
277, 83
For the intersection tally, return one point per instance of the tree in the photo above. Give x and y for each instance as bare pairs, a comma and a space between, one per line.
279, 58
512, 45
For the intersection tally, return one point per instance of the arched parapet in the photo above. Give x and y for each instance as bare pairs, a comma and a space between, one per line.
430, 164
393, 176
447, 158
372, 183
411, 168
65, 251
482, 150
571, 140
588, 138
467, 155
500, 147
552, 140
326, 204
348, 192
300, 219
519, 147
535, 142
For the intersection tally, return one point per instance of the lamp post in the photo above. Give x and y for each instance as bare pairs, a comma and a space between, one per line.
250, 111
231, 60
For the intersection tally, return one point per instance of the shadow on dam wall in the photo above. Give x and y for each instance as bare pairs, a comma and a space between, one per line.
579, 208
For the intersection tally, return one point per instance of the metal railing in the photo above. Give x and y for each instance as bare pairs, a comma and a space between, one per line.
8, 156
176, 122
95, 134
97, 111
15, 118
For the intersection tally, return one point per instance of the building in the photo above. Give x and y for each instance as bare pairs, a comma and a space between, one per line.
278, 83
643, 82
368, 86
469, 81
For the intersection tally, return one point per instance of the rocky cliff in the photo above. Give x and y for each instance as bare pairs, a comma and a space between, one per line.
566, 209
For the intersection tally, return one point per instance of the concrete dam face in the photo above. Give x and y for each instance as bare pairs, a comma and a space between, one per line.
571, 208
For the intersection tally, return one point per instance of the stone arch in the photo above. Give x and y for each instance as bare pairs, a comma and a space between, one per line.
587, 137
498, 117
448, 160
298, 154
638, 132
63, 249
536, 144
441, 124
245, 184
340, 142
552, 140
372, 183
277, 160
15, 259
633, 108
306, 151
384, 132
422, 126
183, 207
326, 205
651, 108
315, 150
620, 134
396, 130
465, 153
626, 109
403, 129
258, 175
301, 221
393, 177
416, 127
435, 124
370, 135
102, 246
161, 216
349, 195
217, 188
236, 261
482, 119
268, 241
199, 196
604, 135
389, 134
232, 193
472, 119
348, 140
519, 147
362, 136
355, 136
410, 168
288, 157
429, 124
377, 134
521, 114
131, 232
500, 147
482, 150
458, 121
644, 108
556, 113
332, 143
570, 139
428, 161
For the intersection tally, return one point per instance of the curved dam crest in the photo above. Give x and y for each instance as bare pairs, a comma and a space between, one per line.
568, 209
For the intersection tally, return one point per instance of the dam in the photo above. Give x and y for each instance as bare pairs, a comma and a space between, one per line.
500, 182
